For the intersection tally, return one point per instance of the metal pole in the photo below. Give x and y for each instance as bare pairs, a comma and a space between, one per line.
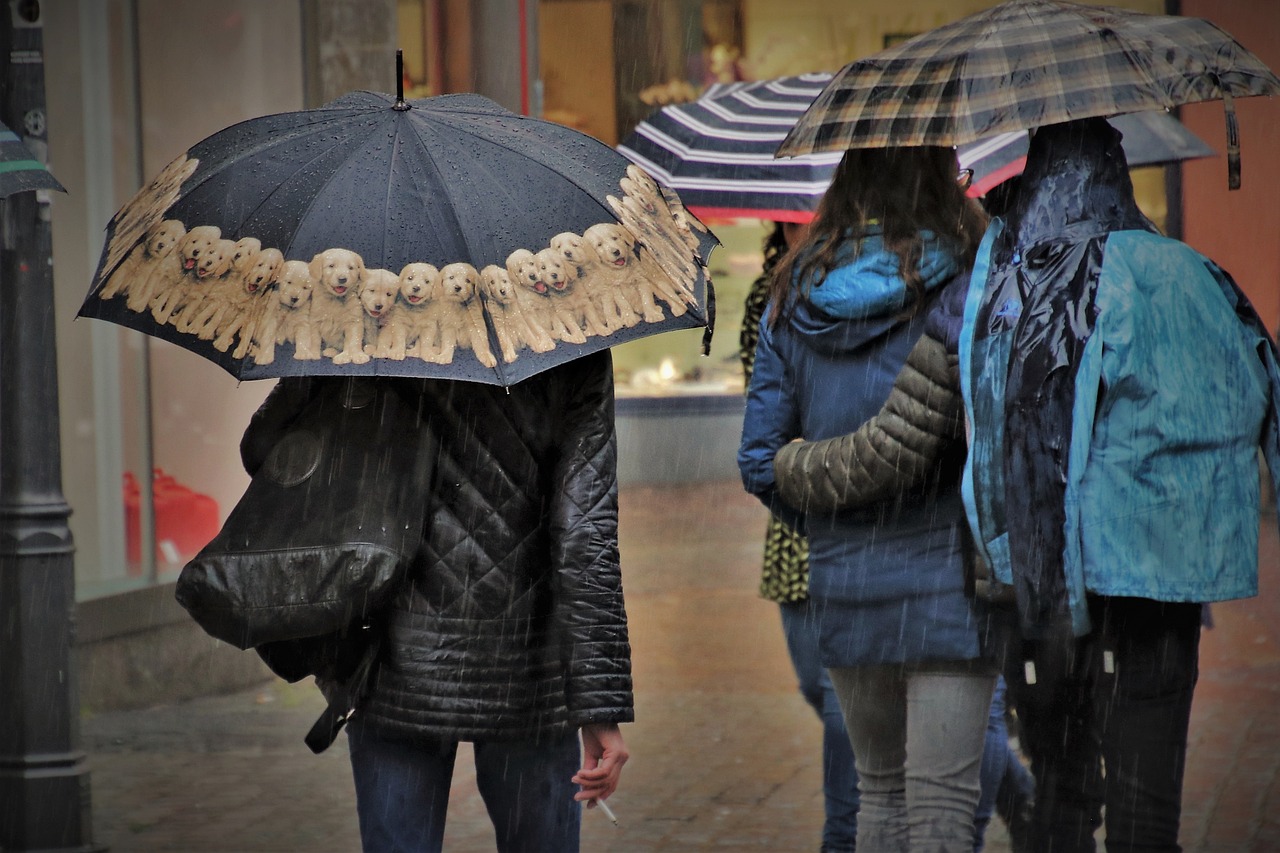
44, 778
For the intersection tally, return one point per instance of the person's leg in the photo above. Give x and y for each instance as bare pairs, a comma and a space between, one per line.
528, 790
839, 775
402, 790
801, 633
947, 712
995, 758
1143, 700
1051, 686
1015, 802
874, 702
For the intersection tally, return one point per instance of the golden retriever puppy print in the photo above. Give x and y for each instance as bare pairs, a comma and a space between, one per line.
656, 208
213, 267
515, 330
148, 206
204, 257
671, 267
611, 306
244, 311
674, 259
460, 315
685, 222
498, 295
655, 199
335, 313
535, 302
161, 240
615, 248
380, 297
522, 269
572, 303
652, 206
573, 250
598, 282
415, 328
195, 318
174, 269
637, 185
287, 318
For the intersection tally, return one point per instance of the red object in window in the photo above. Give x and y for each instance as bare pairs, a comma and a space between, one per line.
185, 521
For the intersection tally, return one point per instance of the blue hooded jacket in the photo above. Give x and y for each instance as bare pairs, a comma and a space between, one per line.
887, 583
1119, 387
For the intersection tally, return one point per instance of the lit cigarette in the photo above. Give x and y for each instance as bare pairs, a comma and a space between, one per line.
608, 812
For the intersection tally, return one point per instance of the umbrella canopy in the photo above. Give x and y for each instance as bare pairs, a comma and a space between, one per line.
20, 170
444, 237
1024, 64
1150, 139
718, 152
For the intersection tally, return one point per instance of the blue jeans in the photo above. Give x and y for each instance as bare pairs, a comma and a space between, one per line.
839, 776
918, 732
1003, 774
1120, 698
402, 791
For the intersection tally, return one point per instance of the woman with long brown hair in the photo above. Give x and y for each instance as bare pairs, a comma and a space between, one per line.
899, 635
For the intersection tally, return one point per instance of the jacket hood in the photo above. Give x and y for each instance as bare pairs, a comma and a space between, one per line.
1076, 185
864, 296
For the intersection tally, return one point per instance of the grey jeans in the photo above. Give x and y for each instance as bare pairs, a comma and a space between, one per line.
917, 733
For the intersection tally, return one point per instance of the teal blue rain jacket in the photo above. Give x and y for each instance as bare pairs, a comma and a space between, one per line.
1118, 387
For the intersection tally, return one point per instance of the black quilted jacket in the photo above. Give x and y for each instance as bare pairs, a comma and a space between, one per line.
512, 622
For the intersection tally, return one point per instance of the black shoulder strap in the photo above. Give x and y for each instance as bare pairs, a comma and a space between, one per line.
344, 702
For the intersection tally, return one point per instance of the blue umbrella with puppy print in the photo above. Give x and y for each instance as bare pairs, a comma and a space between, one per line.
445, 237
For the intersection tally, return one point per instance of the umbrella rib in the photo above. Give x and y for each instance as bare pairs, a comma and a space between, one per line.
500, 144
450, 207
277, 189
267, 145
386, 198
498, 368
273, 142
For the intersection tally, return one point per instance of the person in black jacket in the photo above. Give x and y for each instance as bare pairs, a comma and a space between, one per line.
510, 631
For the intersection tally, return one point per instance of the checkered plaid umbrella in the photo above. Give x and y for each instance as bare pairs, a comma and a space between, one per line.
718, 152
1027, 63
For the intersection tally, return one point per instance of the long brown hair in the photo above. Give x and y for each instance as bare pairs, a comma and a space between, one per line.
900, 191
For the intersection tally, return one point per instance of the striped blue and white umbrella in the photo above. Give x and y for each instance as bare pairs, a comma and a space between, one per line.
717, 152
19, 169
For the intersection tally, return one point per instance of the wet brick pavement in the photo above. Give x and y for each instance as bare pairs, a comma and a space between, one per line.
725, 754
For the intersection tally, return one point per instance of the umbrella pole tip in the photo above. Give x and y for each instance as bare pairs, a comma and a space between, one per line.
400, 103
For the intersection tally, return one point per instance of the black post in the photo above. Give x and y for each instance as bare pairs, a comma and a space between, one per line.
44, 779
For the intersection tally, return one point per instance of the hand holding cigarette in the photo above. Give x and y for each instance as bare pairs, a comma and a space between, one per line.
603, 754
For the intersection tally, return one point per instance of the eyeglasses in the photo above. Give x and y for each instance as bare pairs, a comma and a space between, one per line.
965, 178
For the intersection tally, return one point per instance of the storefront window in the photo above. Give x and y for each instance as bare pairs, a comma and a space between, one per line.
151, 431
